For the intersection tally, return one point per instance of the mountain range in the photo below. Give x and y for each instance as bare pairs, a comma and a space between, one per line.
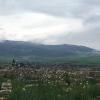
29, 51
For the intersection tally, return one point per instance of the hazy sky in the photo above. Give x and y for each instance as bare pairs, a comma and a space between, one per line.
51, 21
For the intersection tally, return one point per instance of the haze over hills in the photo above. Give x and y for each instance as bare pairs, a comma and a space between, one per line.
27, 50
18, 48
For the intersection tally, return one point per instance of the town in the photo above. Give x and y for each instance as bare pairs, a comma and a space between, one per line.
49, 81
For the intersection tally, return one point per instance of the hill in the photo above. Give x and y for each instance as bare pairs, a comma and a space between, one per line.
30, 51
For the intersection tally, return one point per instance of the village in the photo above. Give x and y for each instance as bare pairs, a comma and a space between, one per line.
64, 76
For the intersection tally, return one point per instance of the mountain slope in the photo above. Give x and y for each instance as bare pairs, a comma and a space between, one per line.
27, 50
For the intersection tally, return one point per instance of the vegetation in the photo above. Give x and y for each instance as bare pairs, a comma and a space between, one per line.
52, 84
50, 92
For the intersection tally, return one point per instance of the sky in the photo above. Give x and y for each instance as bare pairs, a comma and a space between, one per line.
51, 21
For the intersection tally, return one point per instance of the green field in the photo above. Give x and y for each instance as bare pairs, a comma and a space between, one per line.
49, 92
71, 60
25, 89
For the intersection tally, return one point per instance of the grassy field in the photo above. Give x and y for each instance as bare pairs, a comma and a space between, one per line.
51, 92
28, 88
74, 60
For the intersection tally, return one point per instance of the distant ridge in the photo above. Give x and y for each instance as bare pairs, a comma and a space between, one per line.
19, 48
10, 49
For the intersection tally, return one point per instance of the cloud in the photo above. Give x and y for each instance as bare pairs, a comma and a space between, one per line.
54, 7
51, 21
36, 26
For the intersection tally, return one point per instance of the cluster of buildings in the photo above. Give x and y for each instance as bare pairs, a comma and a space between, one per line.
47, 74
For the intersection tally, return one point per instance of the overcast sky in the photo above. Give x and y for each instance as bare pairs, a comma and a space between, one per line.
51, 21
